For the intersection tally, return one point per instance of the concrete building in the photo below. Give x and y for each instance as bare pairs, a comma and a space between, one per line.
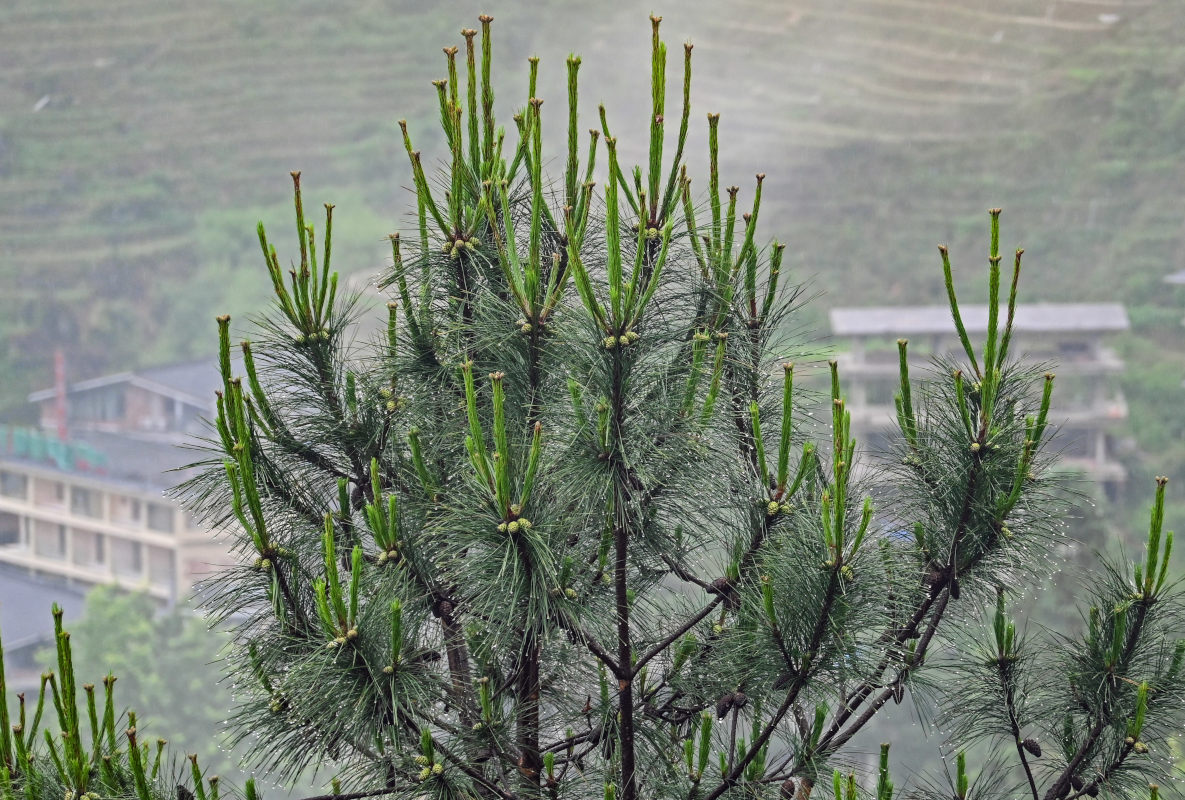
1068, 337
83, 499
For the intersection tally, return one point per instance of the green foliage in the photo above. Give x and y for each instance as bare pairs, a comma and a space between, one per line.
617, 566
77, 744
168, 669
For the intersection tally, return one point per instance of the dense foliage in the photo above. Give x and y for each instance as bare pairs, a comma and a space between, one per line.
619, 565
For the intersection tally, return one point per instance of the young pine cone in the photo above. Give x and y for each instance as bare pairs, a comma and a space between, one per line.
725, 589
1032, 747
725, 704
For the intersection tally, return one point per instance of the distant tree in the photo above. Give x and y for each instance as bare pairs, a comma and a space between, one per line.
563, 532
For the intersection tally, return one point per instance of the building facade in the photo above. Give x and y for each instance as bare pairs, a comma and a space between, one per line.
1067, 338
92, 506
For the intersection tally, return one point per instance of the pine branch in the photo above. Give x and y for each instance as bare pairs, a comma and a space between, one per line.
798, 683
1104, 721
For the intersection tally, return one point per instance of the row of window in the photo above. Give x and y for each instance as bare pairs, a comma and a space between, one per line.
1089, 444
85, 502
1073, 391
88, 549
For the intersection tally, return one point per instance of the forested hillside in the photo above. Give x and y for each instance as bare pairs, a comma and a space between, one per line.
141, 140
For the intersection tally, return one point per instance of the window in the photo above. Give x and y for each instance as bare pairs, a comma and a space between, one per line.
88, 550
160, 517
1076, 442
13, 484
104, 404
49, 493
86, 502
881, 392
126, 557
10, 529
49, 540
160, 566
125, 510
877, 443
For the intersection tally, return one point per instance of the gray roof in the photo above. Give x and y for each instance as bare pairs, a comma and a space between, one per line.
1031, 317
198, 379
25, 603
191, 382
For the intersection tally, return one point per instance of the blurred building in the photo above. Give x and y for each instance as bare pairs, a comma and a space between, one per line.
1069, 338
83, 499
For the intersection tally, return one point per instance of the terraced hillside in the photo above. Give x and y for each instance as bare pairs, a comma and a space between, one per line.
141, 139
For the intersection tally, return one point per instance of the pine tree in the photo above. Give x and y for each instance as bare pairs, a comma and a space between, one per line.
563, 530
79, 745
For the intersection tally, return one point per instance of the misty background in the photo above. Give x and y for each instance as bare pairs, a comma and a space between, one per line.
141, 140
